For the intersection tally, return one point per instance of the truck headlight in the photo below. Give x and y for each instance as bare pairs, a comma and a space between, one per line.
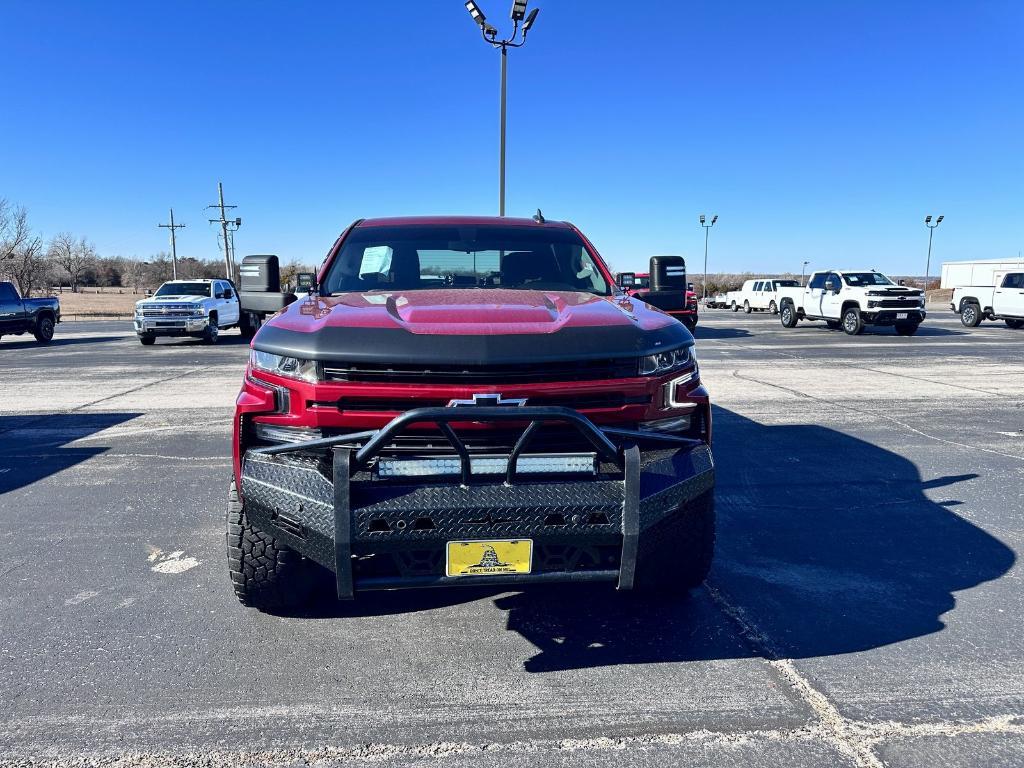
291, 367
199, 311
665, 362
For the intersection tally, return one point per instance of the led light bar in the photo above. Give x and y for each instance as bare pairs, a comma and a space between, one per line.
528, 464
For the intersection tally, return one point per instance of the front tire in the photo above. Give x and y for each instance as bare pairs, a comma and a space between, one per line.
773, 307
853, 323
44, 330
211, 332
675, 555
147, 339
734, 307
970, 315
746, 307
265, 573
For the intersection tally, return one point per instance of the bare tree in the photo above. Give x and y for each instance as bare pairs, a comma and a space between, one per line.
73, 256
14, 229
28, 266
133, 273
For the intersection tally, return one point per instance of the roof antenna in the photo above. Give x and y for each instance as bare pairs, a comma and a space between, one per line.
539, 217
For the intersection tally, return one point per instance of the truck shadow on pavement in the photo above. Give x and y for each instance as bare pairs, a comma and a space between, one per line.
29, 342
34, 447
714, 332
826, 543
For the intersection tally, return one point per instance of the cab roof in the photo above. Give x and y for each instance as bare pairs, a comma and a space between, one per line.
463, 221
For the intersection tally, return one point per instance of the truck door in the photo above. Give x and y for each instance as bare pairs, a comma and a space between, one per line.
229, 310
1008, 297
813, 293
11, 309
831, 300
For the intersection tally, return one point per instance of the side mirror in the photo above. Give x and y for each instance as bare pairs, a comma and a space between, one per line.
219, 295
305, 281
627, 279
228, 294
902, 282
689, 286
830, 285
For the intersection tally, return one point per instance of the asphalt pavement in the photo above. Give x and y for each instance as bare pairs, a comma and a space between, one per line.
864, 608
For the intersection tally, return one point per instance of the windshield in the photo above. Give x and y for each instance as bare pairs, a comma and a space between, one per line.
184, 289
866, 278
408, 258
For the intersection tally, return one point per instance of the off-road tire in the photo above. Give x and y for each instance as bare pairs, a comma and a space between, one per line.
265, 573
907, 329
788, 316
834, 325
853, 324
1011, 323
212, 331
44, 330
970, 315
746, 307
773, 307
147, 339
675, 555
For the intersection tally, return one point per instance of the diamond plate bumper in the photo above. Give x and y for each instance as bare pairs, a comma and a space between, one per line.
376, 534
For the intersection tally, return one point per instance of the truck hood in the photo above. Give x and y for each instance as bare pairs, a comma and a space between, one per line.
893, 291
470, 326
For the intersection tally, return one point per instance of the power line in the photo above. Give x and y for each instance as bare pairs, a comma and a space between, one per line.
174, 245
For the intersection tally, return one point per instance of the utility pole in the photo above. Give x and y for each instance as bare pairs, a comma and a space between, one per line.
802, 270
174, 245
225, 224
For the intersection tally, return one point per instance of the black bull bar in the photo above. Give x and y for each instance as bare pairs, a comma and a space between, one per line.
320, 497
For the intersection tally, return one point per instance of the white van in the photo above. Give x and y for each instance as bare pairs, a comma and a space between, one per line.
760, 294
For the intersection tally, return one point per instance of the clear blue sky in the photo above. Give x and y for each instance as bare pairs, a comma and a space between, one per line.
816, 130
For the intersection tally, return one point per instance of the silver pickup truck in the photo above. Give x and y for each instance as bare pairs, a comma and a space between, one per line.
1002, 301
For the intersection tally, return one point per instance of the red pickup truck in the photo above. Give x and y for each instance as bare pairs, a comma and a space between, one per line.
468, 400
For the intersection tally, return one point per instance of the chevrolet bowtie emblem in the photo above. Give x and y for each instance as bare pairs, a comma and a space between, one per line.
488, 400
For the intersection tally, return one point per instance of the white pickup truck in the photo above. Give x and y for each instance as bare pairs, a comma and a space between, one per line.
759, 295
198, 308
1002, 301
852, 299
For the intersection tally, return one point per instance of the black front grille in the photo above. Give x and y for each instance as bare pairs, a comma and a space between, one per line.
400, 405
519, 373
898, 303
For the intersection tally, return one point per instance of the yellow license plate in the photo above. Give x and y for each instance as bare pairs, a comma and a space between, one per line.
489, 558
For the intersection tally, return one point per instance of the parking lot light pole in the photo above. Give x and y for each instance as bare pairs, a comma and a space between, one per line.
707, 230
521, 22
928, 264
802, 270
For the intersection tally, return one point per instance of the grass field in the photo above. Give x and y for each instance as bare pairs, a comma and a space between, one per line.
93, 303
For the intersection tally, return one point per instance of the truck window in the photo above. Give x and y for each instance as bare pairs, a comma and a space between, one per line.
1013, 280
7, 292
817, 280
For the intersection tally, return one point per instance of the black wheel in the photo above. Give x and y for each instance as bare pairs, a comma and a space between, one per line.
675, 555
690, 322
788, 315
147, 339
1015, 323
970, 315
746, 307
249, 324
265, 573
44, 330
211, 332
852, 322
907, 329
773, 307
835, 325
